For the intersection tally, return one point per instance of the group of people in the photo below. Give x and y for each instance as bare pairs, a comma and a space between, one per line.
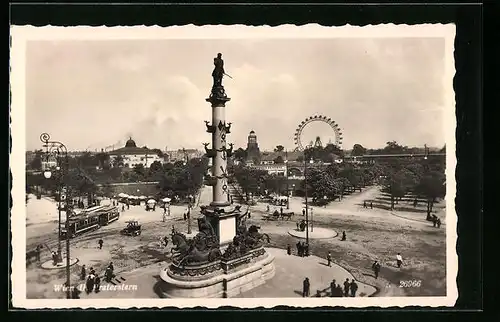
302, 249
93, 281
436, 221
349, 290
365, 204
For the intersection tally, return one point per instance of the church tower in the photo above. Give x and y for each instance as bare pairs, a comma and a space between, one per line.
253, 151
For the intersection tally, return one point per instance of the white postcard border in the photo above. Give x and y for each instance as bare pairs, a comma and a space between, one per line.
21, 34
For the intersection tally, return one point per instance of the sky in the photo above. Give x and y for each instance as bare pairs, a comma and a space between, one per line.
94, 94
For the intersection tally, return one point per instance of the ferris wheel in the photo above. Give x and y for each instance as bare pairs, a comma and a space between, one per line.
317, 118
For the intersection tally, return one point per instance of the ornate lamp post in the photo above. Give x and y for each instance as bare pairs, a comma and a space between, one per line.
287, 187
60, 152
307, 202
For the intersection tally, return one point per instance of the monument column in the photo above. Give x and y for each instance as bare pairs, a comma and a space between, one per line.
221, 214
219, 163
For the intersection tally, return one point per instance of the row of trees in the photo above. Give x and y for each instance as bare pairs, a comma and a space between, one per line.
87, 176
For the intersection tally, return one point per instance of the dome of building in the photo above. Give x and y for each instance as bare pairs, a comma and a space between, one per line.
130, 144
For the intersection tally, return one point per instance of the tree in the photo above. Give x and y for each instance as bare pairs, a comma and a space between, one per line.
240, 154
36, 163
431, 186
103, 160
139, 170
358, 150
279, 148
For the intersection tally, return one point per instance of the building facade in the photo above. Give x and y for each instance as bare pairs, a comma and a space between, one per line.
131, 155
253, 151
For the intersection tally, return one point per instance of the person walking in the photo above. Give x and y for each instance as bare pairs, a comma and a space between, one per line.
438, 223
97, 282
354, 288
303, 212
347, 285
83, 273
38, 251
333, 288
376, 268
100, 242
90, 283
338, 291
399, 260
364, 204
288, 249
329, 259
344, 237
306, 287
371, 204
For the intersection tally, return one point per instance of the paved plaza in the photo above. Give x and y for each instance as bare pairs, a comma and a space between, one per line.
137, 260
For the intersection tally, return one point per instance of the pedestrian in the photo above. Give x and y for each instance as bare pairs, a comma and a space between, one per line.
38, 251
364, 204
333, 288
83, 273
281, 211
97, 282
298, 248
438, 222
107, 274
90, 283
100, 242
376, 268
268, 208
306, 249
399, 260
344, 237
338, 291
303, 212
185, 216
288, 249
298, 224
305, 287
75, 293
354, 288
123, 208
347, 285
371, 204
54, 258
415, 203
329, 259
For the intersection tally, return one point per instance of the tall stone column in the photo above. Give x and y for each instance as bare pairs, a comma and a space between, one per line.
219, 160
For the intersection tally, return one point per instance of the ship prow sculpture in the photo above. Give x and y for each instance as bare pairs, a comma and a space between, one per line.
226, 257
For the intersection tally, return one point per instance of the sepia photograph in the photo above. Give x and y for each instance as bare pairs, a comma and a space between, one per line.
231, 165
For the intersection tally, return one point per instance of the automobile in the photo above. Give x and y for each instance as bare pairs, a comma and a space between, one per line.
133, 228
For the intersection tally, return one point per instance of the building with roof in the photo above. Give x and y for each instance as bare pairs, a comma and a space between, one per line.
253, 151
133, 155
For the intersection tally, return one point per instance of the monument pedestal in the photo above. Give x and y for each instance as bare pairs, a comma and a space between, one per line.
220, 279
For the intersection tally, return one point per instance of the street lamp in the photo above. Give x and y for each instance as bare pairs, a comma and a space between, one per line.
287, 187
305, 190
59, 150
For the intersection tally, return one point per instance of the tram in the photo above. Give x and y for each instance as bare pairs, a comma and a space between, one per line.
90, 219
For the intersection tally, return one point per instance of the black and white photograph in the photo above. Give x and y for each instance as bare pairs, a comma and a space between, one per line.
231, 165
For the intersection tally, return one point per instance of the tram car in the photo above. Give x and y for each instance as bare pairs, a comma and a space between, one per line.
89, 220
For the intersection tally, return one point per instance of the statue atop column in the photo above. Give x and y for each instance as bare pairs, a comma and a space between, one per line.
217, 75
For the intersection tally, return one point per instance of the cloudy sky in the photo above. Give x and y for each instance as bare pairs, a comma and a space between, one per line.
92, 94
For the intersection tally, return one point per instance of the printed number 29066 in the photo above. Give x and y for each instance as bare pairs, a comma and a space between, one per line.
410, 283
